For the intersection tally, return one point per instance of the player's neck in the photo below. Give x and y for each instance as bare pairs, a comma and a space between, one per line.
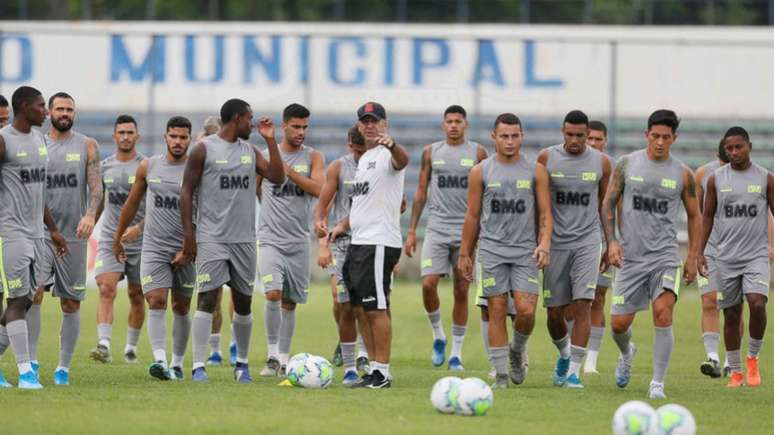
59, 135
743, 166
228, 134
287, 147
357, 155
125, 156
172, 160
450, 141
654, 158
582, 150
507, 159
21, 125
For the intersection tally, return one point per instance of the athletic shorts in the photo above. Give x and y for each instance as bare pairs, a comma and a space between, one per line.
106, 263
499, 277
605, 279
226, 263
17, 266
710, 283
286, 269
368, 275
482, 301
572, 275
638, 284
66, 276
158, 273
738, 281
339, 254
439, 254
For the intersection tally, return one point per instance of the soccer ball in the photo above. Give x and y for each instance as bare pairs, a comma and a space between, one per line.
675, 419
296, 368
474, 397
318, 373
634, 418
444, 394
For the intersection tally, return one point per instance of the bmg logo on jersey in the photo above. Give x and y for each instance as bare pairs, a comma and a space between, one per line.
167, 202
117, 198
650, 205
58, 181
360, 188
33, 175
508, 206
231, 182
452, 182
740, 210
573, 198
287, 189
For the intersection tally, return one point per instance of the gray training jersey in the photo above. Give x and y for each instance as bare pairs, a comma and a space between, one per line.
448, 195
344, 189
118, 178
709, 169
22, 184
574, 197
66, 184
285, 207
508, 209
226, 209
651, 201
741, 217
163, 226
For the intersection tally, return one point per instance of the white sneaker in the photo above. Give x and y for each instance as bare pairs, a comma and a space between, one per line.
656, 391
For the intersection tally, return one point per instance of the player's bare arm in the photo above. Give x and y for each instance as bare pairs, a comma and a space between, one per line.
699, 176
313, 183
613, 196
340, 229
327, 194
420, 198
400, 157
708, 220
481, 153
471, 227
56, 237
129, 210
770, 194
94, 181
192, 176
603, 185
273, 169
691, 203
545, 219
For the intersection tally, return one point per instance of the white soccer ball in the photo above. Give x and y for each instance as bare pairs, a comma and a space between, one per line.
675, 419
634, 418
444, 394
318, 373
296, 368
474, 397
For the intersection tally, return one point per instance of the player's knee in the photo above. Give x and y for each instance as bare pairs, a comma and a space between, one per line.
107, 291
709, 303
156, 301
273, 295
207, 301
429, 285
69, 306
181, 307
619, 325
242, 304
757, 304
662, 317
288, 305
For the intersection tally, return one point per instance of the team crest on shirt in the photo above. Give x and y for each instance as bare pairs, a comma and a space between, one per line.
371, 165
589, 176
246, 160
301, 169
73, 157
669, 183
131, 179
42, 151
754, 188
467, 163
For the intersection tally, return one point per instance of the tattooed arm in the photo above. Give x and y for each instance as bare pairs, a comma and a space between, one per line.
94, 180
615, 190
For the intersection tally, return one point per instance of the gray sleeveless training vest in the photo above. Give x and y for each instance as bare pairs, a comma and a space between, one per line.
22, 184
163, 226
118, 178
448, 194
346, 184
66, 184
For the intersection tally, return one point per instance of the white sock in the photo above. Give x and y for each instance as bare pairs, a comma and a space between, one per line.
458, 339
362, 352
437, 325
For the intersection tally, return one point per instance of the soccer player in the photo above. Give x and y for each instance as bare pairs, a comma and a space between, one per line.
5, 113
509, 212
163, 268
23, 156
221, 169
118, 174
738, 195
650, 183
578, 177
444, 171
338, 188
284, 235
74, 193
597, 138
374, 223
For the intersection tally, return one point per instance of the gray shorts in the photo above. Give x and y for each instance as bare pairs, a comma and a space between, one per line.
286, 269
638, 284
710, 283
226, 263
482, 301
499, 277
106, 263
17, 266
66, 277
738, 281
158, 273
439, 254
339, 253
571, 275
605, 279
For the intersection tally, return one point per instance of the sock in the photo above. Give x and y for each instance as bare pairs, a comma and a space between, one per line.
104, 332
577, 354
622, 341
499, 358
348, 356
437, 325
17, 335
563, 344
383, 368
711, 344
362, 352
33, 330
287, 327
4, 340
215, 342
595, 341
734, 360
271, 321
570, 324
458, 339
485, 337
181, 331
662, 352
157, 331
68, 337
754, 347
519, 342
725, 362
243, 327
202, 325
132, 337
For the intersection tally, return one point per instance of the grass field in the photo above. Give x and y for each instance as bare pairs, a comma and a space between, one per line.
122, 398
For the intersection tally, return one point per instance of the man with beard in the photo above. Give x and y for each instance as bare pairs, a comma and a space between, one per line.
163, 267
74, 192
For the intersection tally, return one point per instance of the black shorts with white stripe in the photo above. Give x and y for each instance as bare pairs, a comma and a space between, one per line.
367, 275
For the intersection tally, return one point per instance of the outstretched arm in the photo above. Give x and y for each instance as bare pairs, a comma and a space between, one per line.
420, 197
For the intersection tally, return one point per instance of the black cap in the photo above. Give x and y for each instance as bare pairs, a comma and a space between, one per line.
371, 109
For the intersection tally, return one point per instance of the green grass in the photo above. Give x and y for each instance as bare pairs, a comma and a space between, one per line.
122, 398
